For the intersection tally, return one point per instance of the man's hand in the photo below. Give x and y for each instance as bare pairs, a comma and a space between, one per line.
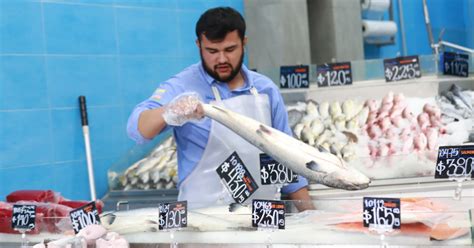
183, 108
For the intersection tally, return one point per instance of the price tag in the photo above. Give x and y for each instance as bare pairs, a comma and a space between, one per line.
84, 216
173, 215
237, 178
381, 213
23, 217
272, 172
455, 64
294, 77
268, 214
455, 162
334, 74
401, 68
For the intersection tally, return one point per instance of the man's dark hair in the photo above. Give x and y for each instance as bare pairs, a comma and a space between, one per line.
217, 22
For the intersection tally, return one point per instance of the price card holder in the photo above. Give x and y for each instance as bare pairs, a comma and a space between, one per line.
267, 214
381, 215
294, 77
401, 68
335, 74
236, 178
171, 217
272, 172
455, 163
23, 220
455, 64
84, 216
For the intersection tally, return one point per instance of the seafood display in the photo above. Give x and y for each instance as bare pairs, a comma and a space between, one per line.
430, 219
158, 170
316, 165
388, 138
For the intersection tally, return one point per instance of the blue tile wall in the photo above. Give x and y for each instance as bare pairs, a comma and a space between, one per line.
115, 52
455, 16
20, 26
23, 82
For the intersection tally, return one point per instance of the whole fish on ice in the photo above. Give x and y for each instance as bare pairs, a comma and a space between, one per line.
304, 159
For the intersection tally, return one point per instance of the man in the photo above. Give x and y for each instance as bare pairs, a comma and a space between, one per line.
220, 78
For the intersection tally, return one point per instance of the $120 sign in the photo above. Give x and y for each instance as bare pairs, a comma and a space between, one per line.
268, 214
84, 216
173, 215
455, 162
381, 212
293, 77
334, 74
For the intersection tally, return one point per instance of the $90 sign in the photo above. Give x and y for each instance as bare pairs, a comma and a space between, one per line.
381, 213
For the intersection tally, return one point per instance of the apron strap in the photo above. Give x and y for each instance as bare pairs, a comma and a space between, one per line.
216, 93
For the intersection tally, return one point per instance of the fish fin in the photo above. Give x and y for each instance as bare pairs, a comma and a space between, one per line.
235, 206
265, 129
312, 165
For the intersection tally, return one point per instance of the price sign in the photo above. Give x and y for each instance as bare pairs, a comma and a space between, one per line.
294, 77
268, 214
455, 64
173, 215
84, 216
334, 74
23, 217
381, 213
237, 178
272, 172
401, 68
455, 162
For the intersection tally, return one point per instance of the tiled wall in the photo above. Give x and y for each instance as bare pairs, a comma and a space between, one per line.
455, 16
115, 52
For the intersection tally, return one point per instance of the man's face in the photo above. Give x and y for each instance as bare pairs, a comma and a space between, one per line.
222, 59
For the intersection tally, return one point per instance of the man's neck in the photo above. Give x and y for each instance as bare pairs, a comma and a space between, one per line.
237, 82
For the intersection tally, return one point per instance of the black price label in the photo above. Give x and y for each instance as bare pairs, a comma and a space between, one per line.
272, 172
381, 213
334, 74
455, 162
268, 214
23, 217
237, 178
84, 216
173, 215
294, 77
402, 68
455, 64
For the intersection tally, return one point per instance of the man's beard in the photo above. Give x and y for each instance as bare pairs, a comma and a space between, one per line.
215, 75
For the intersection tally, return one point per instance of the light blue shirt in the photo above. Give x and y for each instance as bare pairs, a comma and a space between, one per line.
191, 138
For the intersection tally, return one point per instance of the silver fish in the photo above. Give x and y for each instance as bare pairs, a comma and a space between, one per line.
306, 160
457, 91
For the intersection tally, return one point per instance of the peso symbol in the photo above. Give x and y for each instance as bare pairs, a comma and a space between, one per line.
440, 167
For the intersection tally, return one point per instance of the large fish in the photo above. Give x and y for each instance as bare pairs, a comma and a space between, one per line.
304, 159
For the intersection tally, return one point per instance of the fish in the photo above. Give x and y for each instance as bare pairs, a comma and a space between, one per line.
457, 91
294, 117
323, 168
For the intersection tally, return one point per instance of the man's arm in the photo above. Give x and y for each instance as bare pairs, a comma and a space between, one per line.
301, 199
151, 122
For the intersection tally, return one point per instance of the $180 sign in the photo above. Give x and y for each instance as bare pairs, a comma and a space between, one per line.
381, 212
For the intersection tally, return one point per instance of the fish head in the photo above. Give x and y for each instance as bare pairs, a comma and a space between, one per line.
339, 175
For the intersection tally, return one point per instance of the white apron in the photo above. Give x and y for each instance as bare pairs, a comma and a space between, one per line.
203, 186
